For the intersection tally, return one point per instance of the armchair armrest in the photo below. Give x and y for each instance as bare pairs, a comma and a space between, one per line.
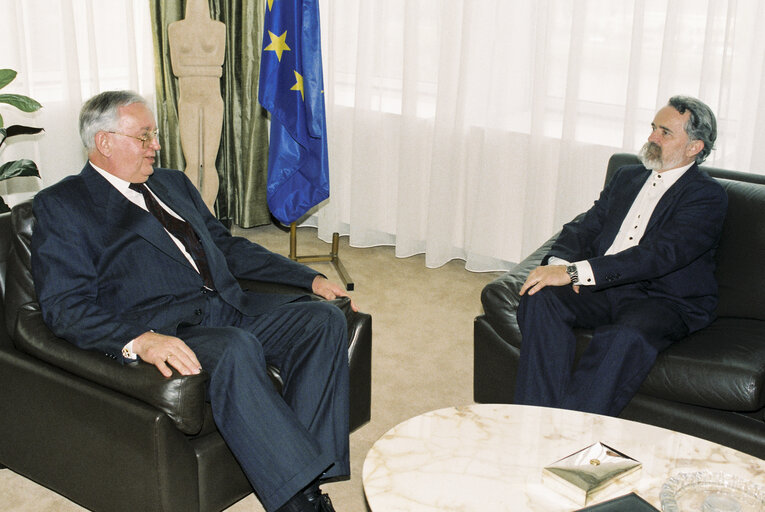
180, 397
501, 297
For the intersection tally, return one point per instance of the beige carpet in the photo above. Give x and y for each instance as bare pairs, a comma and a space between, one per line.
422, 355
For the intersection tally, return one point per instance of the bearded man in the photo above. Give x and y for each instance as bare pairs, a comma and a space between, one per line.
637, 268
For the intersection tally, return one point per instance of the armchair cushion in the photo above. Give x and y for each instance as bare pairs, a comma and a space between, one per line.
720, 367
742, 246
19, 286
180, 397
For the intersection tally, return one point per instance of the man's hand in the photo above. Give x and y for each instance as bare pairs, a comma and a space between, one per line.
161, 351
548, 275
329, 290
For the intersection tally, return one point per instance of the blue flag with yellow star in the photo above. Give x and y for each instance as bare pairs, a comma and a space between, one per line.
291, 88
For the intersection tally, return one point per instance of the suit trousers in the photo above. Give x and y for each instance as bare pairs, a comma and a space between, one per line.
282, 441
630, 329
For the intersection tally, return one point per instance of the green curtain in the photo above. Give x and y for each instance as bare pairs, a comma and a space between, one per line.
242, 160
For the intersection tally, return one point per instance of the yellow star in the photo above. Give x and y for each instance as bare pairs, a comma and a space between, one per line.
270, 4
278, 44
298, 85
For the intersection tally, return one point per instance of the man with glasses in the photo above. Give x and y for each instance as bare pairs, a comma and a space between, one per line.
146, 139
128, 260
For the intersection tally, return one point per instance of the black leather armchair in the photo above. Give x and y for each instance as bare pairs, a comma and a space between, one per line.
710, 384
118, 437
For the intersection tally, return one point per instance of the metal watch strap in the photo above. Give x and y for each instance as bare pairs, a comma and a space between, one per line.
572, 273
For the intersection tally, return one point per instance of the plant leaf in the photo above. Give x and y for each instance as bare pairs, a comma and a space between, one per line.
17, 129
21, 102
6, 77
16, 168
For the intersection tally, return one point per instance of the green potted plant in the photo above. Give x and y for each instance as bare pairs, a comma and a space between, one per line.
23, 167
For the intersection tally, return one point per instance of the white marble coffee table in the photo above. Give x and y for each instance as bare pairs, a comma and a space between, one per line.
490, 457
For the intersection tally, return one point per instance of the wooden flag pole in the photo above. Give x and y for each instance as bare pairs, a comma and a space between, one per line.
332, 257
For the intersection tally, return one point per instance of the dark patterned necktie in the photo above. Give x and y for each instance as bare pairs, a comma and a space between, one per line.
181, 230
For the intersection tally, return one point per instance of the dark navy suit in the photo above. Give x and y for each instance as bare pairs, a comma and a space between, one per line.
645, 297
106, 271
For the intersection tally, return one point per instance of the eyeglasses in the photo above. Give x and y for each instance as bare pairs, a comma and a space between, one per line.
146, 138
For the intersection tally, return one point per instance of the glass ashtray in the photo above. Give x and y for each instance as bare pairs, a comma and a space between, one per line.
711, 492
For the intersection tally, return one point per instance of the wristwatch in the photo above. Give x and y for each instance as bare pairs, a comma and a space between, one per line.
572, 273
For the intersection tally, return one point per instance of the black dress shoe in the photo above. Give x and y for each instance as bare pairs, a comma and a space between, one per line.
320, 501
325, 504
298, 503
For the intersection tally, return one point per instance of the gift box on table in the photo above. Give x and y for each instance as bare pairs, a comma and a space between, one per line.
584, 475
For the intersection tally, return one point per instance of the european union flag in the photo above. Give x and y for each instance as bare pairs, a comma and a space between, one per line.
291, 88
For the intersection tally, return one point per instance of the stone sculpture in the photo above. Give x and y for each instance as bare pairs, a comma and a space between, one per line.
197, 49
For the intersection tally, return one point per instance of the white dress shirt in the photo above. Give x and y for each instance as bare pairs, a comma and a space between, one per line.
635, 222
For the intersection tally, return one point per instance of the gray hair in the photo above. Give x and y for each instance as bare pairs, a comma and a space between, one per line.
701, 125
101, 114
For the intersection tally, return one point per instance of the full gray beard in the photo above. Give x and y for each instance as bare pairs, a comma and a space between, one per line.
650, 156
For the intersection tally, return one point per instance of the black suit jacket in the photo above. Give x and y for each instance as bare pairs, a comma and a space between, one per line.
106, 271
674, 259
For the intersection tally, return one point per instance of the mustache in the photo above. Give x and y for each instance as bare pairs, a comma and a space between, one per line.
652, 150
650, 155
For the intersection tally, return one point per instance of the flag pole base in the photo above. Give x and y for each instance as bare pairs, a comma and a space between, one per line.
332, 257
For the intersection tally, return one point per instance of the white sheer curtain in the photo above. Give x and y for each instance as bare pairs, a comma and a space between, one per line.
65, 51
473, 129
